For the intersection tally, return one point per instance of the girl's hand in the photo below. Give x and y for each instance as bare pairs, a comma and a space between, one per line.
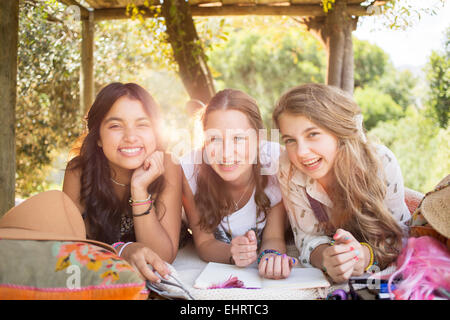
145, 262
243, 249
150, 170
273, 266
344, 237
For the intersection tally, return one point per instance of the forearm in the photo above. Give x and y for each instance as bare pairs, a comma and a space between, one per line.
277, 244
316, 257
149, 231
214, 251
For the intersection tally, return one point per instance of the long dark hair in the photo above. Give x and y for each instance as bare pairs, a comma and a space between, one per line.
102, 207
211, 199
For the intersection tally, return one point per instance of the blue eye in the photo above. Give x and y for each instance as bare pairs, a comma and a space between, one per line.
313, 134
288, 141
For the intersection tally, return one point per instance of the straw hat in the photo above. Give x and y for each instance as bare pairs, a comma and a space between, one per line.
435, 207
50, 215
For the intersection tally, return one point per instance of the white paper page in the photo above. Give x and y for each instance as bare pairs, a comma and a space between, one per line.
217, 273
300, 278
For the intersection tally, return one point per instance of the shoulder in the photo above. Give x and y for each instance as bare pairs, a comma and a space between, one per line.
385, 154
72, 183
269, 151
171, 167
73, 170
188, 163
189, 160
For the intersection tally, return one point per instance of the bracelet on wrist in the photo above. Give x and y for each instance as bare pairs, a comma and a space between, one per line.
145, 212
267, 251
123, 247
133, 202
372, 261
117, 244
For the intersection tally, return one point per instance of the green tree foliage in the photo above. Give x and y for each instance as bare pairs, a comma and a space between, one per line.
267, 62
376, 106
438, 75
421, 147
399, 85
370, 62
47, 93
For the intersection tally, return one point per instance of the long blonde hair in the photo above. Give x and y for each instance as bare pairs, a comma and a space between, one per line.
358, 191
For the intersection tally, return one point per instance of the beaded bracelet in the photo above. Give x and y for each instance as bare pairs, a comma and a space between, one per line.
140, 203
266, 252
372, 257
123, 247
116, 244
144, 213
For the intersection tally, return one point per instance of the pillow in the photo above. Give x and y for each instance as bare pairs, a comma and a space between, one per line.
33, 269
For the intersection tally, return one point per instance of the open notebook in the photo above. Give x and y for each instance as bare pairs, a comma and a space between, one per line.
215, 274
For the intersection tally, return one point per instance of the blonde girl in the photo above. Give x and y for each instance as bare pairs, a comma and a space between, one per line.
344, 195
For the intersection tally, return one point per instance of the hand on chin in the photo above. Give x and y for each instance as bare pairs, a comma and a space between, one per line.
150, 169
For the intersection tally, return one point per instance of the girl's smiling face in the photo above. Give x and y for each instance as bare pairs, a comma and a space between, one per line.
310, 148
126, 134
230, 144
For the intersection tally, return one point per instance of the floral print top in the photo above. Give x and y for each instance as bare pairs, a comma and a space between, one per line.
305, 227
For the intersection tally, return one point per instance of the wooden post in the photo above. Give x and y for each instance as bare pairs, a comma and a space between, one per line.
9, 28
335, 33
87, 88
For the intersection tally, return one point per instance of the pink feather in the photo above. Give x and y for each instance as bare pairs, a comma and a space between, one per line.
232, 282
424, 265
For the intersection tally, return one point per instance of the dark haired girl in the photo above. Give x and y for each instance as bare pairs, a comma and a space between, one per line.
127, 188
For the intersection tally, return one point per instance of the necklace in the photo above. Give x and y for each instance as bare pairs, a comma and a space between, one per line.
236, 203
236, 208
118, 183
229, 226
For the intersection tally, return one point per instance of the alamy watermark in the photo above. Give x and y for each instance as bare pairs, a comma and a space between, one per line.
230, 147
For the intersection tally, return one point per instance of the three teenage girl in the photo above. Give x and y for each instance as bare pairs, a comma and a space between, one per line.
130, 191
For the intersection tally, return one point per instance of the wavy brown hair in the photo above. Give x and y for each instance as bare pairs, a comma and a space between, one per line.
211, 199
102, 207
358, 190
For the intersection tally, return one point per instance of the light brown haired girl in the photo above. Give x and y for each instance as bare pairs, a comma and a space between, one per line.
233, 208
355, 187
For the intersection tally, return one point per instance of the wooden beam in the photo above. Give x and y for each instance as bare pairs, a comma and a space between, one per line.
231, 10
84, 12
9, 28
87, 90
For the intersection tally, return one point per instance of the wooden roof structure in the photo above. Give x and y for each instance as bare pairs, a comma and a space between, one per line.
115, 9
333, 28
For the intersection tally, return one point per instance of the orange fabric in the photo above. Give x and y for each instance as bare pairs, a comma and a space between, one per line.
123, 293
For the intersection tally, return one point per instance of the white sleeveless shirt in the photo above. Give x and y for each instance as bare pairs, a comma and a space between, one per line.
246, 218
